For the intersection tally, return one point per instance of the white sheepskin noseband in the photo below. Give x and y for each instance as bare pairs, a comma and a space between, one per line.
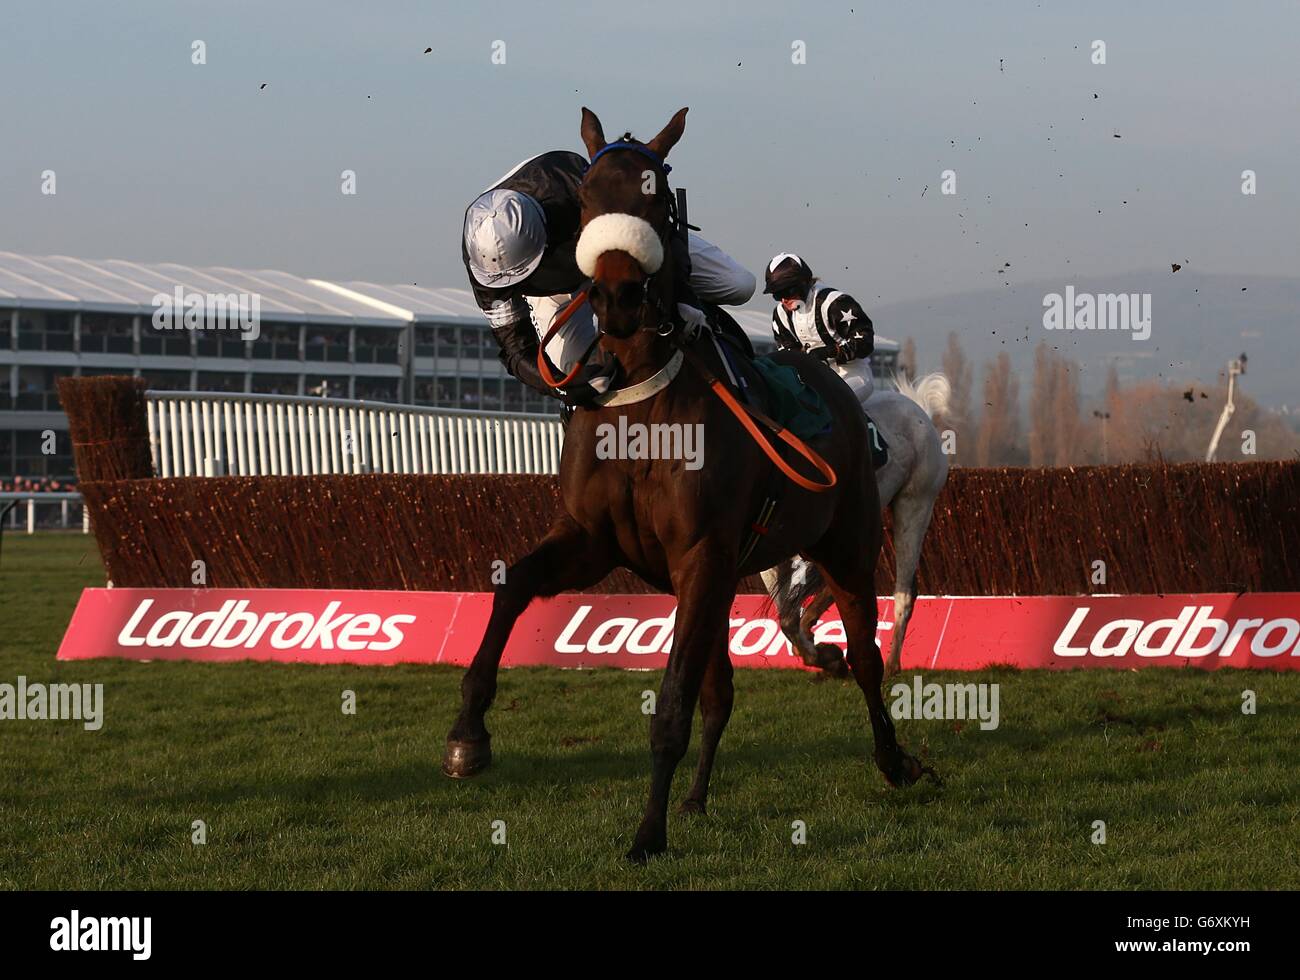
621, 233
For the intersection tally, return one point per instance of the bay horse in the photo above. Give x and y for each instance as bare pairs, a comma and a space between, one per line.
683, 529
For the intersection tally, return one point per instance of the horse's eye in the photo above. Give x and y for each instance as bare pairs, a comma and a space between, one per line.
630, 295
593, 293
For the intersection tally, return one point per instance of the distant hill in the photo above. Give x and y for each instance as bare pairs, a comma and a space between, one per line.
1199, 322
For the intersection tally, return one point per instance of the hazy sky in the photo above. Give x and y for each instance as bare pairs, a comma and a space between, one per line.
159, 159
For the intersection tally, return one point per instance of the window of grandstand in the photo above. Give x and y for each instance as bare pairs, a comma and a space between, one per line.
444, 389
474, 342
491, 399
426, 339
326, 344
275, 384
31, 462
376, 345
377, 389
37, 391
174, 342
107, 333
539, 403
448, 344
277, 341
44, 330
471, 395
221, 381
166, 380
332, 387
219, 343
513, 398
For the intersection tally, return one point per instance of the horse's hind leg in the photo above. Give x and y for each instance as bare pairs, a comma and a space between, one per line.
716, 696
705, 587
912, 511
827, 656
789, 591
567, 558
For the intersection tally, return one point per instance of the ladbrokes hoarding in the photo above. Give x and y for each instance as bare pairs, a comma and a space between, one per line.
636, 631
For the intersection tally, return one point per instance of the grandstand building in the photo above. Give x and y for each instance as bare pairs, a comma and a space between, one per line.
62, 316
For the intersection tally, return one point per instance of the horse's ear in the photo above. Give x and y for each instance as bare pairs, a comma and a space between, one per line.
669, 135
593, 134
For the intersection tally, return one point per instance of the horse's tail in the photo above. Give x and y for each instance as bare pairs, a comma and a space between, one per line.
932, 392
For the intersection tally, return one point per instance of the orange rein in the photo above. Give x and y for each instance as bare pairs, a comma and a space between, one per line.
561, 319
745, 414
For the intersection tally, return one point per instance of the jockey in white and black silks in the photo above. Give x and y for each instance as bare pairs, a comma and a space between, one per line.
519, 245
820, 321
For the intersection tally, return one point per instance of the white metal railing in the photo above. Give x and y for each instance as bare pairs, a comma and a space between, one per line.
34, 497
203, 433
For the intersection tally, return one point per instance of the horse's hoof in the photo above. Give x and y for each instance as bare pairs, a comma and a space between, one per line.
460, 760
830, 658
643, 850
904, 771
693, 806
641, 854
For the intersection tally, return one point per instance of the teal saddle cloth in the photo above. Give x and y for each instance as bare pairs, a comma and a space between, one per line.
803, 411
797, 407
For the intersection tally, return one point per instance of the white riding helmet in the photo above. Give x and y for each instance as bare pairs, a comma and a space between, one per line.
505, 236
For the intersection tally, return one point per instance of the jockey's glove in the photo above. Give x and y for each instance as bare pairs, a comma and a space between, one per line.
579, 394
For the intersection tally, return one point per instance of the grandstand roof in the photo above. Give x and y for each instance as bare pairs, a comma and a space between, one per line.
116, 285
120, 286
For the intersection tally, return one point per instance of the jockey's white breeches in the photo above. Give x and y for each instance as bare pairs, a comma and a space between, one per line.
857, 375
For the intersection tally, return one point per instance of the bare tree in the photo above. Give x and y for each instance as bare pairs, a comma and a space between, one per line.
1042, 433
958, 370
999, 427
1068, 427
907, 359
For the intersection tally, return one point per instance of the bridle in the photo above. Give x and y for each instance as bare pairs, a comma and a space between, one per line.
662, 319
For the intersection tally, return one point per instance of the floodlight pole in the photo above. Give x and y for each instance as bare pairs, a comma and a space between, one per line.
1235, 367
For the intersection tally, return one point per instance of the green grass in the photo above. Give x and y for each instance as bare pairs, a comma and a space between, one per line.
297, 795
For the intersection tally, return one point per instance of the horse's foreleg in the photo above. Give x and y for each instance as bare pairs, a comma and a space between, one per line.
858, 611
567, 558
849, 567
716, 696
705, 587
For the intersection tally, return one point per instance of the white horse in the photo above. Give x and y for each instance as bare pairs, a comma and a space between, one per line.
909, 483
